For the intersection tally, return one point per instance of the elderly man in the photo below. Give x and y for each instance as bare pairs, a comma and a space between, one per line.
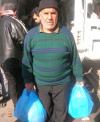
50, 62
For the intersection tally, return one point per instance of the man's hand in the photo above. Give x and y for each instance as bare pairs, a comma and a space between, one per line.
30, 86
80, 82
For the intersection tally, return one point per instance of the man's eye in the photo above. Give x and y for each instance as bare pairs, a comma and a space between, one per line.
53, 13
45, 13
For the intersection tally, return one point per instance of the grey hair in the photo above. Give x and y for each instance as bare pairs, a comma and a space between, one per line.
9, 6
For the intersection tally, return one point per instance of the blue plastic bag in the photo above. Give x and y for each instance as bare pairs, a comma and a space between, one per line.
37, 112
80, 103
29, 108
20, 109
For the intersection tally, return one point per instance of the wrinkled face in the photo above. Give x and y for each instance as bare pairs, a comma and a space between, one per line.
48, 19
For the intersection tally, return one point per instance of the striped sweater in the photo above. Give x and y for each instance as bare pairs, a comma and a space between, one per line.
50, 58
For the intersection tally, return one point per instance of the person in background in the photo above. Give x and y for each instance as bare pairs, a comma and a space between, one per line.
96, 12
25, 8
34, 18
50, 62
11, 40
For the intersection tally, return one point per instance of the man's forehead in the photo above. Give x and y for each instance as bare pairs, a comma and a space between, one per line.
48, 10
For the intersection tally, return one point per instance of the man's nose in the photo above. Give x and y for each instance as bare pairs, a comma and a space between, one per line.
49, 16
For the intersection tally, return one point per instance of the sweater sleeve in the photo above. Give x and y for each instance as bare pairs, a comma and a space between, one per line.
77, 68
27, 70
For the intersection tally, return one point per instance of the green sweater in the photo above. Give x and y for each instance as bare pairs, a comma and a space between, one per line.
50, 58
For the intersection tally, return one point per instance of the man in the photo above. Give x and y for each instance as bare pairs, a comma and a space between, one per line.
34, 18
11, 38
96, 12
24, 9
51, 62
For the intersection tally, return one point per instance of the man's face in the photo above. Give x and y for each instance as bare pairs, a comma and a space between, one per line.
36, 18
48, 19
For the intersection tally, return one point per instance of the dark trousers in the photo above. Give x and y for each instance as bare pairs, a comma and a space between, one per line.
55, 100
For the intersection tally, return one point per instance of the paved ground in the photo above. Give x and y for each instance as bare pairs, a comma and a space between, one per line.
4, 113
